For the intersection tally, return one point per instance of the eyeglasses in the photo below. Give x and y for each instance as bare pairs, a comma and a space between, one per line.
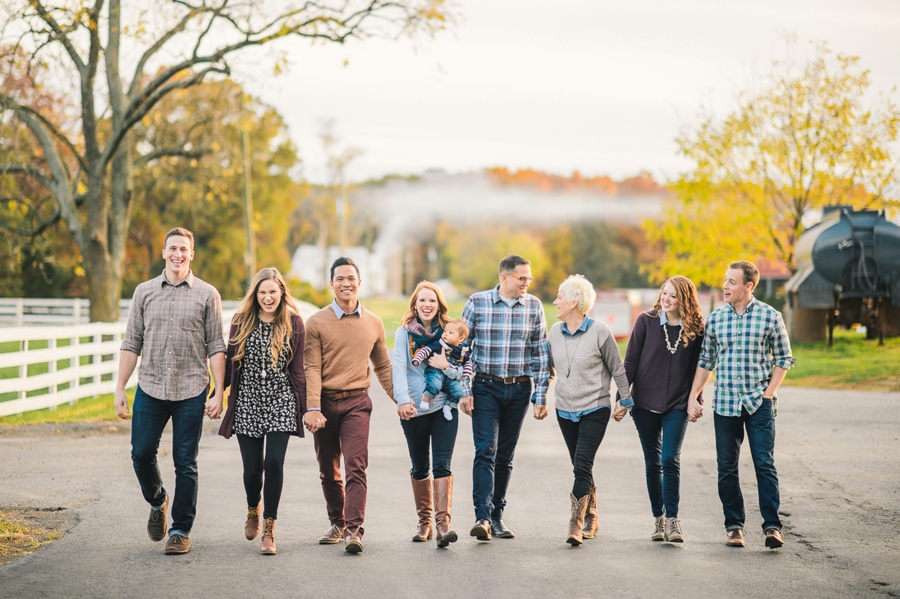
524, 280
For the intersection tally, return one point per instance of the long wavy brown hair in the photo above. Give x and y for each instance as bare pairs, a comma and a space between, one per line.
688, 306
247, 317
441, 316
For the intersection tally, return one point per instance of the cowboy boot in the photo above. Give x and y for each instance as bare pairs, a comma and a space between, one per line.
268, 537
422, 495
591, 522
443, 504
576, 521
251, 526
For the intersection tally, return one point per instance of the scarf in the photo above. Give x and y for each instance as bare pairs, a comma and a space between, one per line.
419, 337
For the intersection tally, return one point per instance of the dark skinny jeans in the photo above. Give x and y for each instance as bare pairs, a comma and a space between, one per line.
583, 439
661, 438
271, 463
435, 434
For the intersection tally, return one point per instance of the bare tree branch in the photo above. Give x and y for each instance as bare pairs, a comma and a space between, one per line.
37, 175
171, 152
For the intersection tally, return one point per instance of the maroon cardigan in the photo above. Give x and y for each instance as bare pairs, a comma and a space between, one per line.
660, 381
294, 370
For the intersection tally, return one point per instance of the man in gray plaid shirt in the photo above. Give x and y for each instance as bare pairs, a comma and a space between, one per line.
511, 360
746, 343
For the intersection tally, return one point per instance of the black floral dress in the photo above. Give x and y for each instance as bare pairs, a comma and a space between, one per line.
265, 401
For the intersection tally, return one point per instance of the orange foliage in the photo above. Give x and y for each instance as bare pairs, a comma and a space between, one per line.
642, 184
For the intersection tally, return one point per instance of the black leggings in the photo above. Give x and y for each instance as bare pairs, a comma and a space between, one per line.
272, 464
583, 440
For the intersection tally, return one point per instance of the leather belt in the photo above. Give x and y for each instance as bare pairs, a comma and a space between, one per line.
509, 380
349, 394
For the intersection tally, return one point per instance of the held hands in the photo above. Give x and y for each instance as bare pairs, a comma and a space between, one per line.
540, 411
694, 410
314, 421
121, 404
213, 407
406, 411
619, 412
466, 404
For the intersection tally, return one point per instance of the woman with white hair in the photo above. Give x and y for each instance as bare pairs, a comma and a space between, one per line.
586, 359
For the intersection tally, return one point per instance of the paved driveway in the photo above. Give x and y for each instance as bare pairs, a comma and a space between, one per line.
837, 456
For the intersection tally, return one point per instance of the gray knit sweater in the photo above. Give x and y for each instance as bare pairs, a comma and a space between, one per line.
585, 365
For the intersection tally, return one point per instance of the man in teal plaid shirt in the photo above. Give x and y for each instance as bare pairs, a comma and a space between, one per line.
747, 345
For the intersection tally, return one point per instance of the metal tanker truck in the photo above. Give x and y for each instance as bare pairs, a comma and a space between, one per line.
848, 273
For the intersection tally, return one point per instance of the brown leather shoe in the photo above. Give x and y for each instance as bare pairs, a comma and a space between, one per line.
481, 530
576, 520
591, 520
177, 545
156, 524
422, 496
735, 538
333, 536
251, 526
774, 540
352, 542
443, 503
268, 537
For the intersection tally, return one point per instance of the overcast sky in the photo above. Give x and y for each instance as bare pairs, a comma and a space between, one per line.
600, 86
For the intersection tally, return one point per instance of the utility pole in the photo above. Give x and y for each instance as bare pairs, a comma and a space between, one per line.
250, 257
342, 215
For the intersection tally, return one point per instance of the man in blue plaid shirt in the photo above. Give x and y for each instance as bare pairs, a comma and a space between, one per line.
746, 343
511, 360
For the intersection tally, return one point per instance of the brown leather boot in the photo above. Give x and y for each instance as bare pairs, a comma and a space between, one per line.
251, 526
268, 537
576, 521
591, 522
443, 505
422, 495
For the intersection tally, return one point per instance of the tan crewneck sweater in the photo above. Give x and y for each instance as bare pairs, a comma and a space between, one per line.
337, 353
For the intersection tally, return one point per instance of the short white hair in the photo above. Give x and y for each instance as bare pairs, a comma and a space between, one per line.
578, 289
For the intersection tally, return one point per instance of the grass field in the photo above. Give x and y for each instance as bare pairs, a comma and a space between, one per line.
854, 363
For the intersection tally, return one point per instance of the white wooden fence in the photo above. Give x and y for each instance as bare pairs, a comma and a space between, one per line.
47, 366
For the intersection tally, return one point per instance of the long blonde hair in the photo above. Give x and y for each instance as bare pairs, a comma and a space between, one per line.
441, 316
688, 306
247, 317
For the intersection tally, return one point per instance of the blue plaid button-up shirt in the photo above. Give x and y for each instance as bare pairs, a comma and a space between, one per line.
508, 340
743, 349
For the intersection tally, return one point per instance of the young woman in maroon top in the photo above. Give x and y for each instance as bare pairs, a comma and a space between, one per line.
660, 362
264, 368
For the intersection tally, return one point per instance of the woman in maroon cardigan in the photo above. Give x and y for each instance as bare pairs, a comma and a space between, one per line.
264, 368
660, 362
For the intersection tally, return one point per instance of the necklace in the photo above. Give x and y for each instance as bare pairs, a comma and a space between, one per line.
671, 349
264, 334
569, 358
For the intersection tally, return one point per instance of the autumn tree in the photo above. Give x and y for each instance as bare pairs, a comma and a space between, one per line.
812, 136
121, 60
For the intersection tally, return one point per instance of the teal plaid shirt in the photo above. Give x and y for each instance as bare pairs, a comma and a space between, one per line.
743, 349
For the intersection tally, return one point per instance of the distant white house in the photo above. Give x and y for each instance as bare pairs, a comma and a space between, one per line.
312, 265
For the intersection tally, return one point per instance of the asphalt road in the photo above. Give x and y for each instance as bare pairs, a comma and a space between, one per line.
836, 453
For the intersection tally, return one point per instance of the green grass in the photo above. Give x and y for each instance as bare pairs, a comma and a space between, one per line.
854, 363
91, 409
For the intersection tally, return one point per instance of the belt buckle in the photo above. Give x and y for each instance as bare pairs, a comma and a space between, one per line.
509, 380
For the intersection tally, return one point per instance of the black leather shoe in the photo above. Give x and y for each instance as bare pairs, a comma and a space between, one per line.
481, 530
500, 531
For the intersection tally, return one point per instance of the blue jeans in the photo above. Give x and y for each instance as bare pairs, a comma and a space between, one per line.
435, 382
150, 418
761, 437
661, 437
499, 411
435, 433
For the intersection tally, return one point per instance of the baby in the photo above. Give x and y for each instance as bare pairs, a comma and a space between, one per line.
455, 332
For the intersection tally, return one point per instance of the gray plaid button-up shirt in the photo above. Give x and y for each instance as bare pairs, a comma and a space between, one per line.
743, 349
174, 328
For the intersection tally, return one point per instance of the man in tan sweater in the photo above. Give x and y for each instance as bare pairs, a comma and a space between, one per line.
340, 340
